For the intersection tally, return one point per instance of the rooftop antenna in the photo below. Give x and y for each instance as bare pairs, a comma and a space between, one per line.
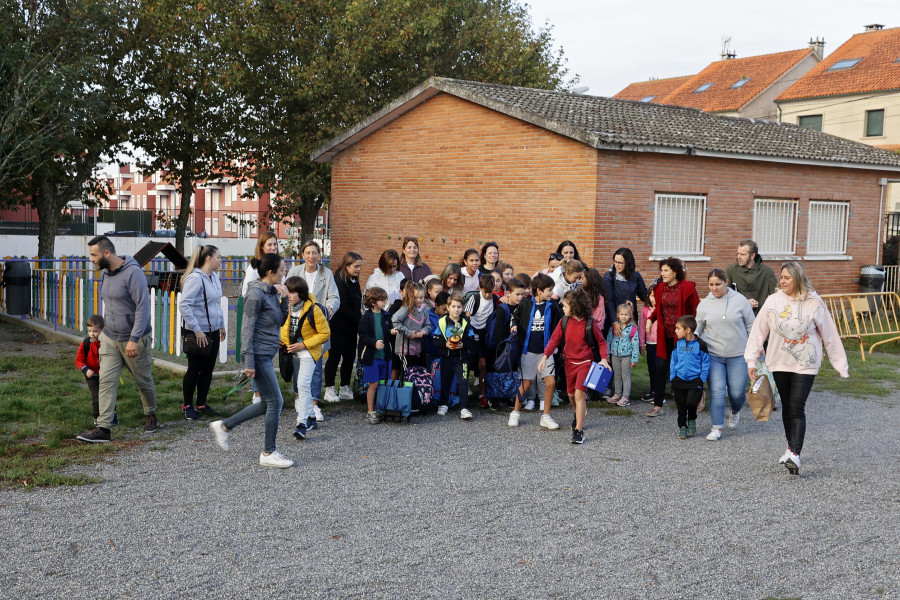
727, 52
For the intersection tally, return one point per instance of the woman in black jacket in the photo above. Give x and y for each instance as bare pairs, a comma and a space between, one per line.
344, 326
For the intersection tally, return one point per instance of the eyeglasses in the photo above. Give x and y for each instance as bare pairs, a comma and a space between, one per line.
621, 263
555, 256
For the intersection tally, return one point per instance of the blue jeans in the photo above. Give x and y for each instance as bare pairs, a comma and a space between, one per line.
267, 383
730, 373
315, 385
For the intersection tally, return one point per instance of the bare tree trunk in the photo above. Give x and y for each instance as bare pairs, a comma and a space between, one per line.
184, 211
45, 200
308, 211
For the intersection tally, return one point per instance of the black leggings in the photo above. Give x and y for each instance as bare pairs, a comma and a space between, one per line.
662, 371
687, 398
199, 373
794, 390
343, 350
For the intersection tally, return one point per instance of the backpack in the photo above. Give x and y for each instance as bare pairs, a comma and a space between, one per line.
493, 337
423, 384
589, 338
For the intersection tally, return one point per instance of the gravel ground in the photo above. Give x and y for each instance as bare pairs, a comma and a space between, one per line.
444, 508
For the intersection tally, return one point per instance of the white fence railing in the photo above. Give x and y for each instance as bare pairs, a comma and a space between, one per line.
892, 279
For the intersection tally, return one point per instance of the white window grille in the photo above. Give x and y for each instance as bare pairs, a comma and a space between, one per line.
207, 197
775, 226
215, 224
828, 227
215, 200
228, 192
208, 224
679, 225
227, 220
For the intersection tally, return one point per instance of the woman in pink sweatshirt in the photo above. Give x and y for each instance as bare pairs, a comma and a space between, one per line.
797, 324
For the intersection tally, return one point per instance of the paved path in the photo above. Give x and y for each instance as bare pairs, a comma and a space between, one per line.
450, 509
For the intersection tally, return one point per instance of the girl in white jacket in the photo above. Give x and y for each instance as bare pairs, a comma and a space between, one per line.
797, 324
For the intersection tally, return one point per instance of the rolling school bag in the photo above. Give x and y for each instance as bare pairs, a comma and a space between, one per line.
394, 399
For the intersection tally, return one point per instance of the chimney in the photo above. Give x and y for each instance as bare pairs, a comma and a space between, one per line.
818, 45
873, 27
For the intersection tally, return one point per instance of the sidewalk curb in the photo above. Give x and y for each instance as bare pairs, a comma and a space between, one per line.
61, 336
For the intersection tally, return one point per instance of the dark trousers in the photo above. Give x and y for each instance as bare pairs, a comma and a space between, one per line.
662, 371
794, 390
651, 367
199, 373
451, 366
93, 384
343, 351
687, 398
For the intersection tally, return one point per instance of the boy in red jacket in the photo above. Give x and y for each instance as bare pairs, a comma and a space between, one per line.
87, 359
575, 337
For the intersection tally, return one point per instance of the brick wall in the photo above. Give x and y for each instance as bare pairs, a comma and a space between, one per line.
457, 174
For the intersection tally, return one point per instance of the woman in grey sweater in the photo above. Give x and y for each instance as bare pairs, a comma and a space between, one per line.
724, 321
265, 310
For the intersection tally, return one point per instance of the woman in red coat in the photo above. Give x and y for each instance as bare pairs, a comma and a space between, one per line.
674, 297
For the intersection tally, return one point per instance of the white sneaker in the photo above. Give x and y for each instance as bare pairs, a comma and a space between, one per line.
220, 434
547, 422
256, 398
514, 418
793, 464
465, 414
442, 410
331, 395
529, 405
346, 393
318, 413
714, 435
275, 460
733, 419
785, 456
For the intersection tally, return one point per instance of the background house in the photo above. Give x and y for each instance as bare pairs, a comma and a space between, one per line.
854, 94
458, 163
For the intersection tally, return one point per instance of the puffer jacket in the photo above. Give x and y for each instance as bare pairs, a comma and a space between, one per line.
264, 313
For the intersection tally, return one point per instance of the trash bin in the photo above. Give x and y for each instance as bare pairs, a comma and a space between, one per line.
871, 278
17, 281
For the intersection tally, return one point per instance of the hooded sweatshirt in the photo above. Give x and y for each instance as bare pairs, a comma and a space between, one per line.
757, 281
796, 330
264, 314
126, 302
724, 323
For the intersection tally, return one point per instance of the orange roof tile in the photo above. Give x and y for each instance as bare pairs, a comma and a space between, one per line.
658, 88
877, 71
760, 71
890, 147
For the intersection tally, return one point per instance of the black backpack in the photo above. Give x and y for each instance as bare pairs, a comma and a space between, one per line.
589, 338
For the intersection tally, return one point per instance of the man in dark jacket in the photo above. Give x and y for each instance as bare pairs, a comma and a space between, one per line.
750, 277
126, 340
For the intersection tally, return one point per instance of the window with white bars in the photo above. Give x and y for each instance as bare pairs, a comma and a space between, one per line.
215, 224
207, 199
828, 227
679, 225
227, 220
229, 191
775, 226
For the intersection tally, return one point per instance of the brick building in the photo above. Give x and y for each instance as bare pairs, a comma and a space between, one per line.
458, 163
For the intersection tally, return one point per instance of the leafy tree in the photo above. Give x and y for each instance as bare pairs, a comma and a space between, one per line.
308, 70
62, 104
185, 115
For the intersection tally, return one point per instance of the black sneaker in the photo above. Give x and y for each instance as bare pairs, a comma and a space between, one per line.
574, 421
190, 413
115, 420
311, 423
98, 435
300, 432
206, 409
150, 424
578, 437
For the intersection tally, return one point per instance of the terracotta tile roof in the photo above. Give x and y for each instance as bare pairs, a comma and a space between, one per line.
626, 125
658, 88
877, 71
762, 71
889, 147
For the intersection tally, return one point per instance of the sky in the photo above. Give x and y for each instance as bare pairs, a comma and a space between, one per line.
611, 44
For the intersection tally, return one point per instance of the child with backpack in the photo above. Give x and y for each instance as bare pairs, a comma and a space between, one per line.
624, 350
479, 306
303, 333
454, 338
581, 341
87, 359
412, 324
374, 349
688, 371
533, 321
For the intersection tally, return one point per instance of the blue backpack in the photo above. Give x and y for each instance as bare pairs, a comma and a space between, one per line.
497, 328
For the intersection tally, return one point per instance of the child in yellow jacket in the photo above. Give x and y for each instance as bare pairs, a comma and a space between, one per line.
303, 333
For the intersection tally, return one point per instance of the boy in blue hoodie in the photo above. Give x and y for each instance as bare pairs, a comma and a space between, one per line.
687, 372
